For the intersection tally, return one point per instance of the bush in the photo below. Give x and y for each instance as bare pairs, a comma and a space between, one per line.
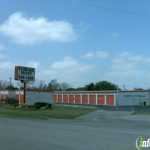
39, 105
12, 101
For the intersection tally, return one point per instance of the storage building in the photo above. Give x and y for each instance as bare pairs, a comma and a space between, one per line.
109, 98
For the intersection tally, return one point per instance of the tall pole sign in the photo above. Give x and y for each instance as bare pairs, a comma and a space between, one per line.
25, 75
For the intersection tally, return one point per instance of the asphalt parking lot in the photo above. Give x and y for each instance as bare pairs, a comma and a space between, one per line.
101, 130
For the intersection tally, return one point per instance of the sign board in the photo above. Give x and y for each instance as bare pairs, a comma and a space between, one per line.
24, 74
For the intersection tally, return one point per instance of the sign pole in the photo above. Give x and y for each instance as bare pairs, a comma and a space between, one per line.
24, 92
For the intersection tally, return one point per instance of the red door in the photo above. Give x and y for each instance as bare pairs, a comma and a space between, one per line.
59, 98
77, 99
84, 99
110, 100
101, 100
71, 99
92, 99
65, 98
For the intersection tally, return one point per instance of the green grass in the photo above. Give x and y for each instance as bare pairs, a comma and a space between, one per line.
59, 112
141, 113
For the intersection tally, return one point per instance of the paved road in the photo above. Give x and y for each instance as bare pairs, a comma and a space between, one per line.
101, 130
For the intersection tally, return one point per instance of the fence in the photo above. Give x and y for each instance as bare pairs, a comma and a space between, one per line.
31, 98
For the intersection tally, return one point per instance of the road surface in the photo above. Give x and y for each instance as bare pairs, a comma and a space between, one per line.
101, 130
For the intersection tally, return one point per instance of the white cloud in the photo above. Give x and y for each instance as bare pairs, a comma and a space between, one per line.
68, 62
29, 30
130, 69
96, 54
123, 68
89, 55
126, 61
5, 65
69, 69
33, 64
102, 54
4, 62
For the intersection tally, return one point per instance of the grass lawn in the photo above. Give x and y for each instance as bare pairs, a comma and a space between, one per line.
59, 112
142, 111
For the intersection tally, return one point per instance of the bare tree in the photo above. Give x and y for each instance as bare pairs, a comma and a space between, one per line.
3, 84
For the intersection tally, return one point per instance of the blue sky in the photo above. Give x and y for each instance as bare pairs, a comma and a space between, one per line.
77, 41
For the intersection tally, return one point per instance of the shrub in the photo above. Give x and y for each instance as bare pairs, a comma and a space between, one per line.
39, 105
12, 101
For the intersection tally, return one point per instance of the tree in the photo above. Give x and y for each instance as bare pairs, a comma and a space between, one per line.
42, 85
105, 85
3, 84
11, 87
64, 86
99, 86
90, 87
54, 85
71, 89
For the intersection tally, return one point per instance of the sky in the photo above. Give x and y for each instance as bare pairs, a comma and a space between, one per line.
77, 41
